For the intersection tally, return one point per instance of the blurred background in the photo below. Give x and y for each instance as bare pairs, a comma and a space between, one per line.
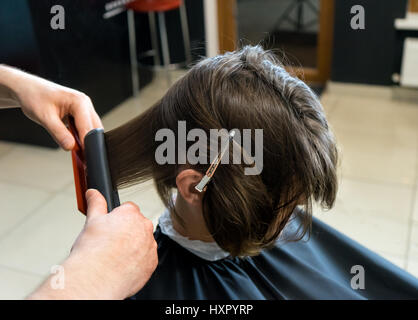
125, 54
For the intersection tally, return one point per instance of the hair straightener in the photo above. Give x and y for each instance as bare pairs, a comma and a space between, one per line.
91, 168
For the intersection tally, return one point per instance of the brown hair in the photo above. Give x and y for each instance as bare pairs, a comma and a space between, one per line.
246, 89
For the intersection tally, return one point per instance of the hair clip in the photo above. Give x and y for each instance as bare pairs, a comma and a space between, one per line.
201, 186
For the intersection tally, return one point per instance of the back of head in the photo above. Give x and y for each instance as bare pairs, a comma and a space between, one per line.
246, 89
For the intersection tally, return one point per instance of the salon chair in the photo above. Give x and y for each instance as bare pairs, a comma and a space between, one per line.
159, 7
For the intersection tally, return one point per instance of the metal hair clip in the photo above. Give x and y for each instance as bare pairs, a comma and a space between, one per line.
201, 186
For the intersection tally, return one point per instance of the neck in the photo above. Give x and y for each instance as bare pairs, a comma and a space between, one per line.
194, 226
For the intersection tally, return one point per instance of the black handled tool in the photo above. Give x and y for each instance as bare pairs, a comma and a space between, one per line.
91, 168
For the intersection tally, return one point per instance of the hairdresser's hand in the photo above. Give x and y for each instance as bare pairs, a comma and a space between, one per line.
120, 245
48, 103
112, 258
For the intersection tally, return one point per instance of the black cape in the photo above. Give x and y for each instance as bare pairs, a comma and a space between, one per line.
319, 268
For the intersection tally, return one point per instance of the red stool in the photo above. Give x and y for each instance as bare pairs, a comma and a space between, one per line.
160, 7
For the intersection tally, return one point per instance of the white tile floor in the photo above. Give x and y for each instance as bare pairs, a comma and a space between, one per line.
377, 203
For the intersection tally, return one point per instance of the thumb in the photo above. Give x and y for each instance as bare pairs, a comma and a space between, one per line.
96, 204
60, 133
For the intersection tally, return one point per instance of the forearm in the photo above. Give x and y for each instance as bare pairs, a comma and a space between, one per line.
8, 80
79, 282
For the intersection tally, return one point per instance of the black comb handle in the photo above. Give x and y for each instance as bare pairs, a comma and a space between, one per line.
98, 172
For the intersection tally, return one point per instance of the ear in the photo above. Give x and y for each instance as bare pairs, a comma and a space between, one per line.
186, 180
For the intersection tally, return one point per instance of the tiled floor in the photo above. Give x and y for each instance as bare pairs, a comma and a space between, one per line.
377, 203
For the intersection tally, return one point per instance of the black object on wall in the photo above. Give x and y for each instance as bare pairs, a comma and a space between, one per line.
371, 55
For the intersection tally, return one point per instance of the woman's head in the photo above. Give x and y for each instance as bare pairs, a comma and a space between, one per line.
246, 89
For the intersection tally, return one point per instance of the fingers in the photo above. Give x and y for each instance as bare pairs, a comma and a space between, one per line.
130, 208
60, 133
86, 118
149, 225
96, 204
81, 108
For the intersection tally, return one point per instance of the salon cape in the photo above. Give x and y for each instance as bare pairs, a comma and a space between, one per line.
206, 250
327, 266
